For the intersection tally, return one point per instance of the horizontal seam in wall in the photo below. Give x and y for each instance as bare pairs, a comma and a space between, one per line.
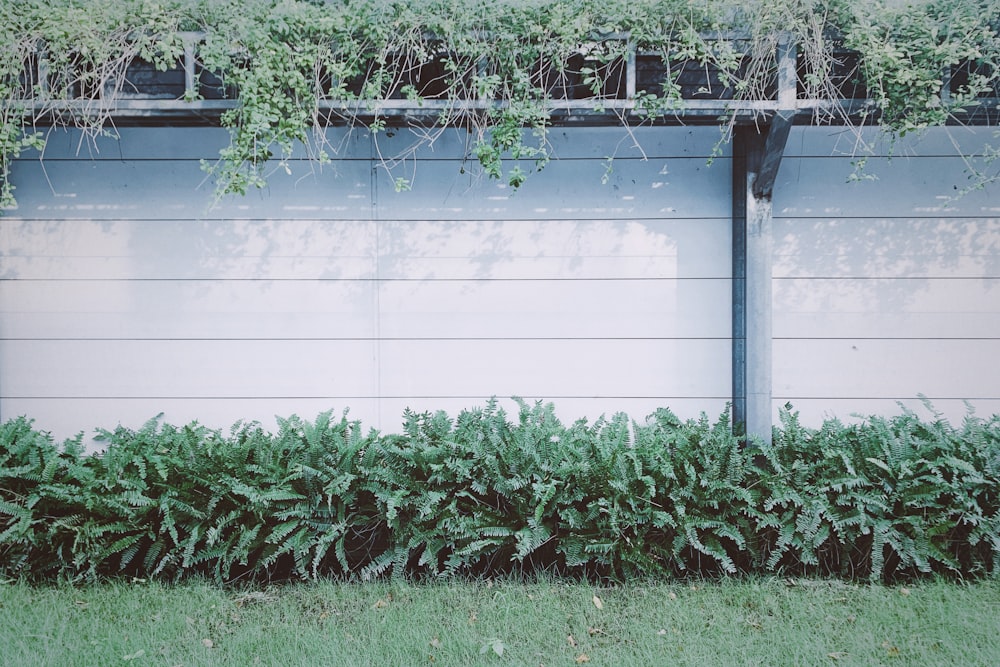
909, 397
366, 280
886, 338
914, 217
597, 161
572, 216
871, 278
898, 157
304, 220
409, 397
369, 339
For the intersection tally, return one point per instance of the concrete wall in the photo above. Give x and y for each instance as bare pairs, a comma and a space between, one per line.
888, 286
124, 293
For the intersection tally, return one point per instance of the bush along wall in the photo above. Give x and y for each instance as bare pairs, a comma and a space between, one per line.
489, 493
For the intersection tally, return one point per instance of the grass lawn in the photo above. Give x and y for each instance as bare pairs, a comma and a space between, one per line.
733, 622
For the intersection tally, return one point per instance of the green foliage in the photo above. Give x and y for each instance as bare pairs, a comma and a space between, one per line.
484, 494
885, 495
908, 51
168, 501
496, 68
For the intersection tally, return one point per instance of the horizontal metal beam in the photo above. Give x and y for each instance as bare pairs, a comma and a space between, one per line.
827, 112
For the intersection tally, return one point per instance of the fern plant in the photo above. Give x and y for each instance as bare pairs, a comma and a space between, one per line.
488, 493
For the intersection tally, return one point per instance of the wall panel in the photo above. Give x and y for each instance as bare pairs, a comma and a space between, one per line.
126, 290
887, 287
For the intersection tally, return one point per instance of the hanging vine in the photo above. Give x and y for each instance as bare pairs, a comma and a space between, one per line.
499, 68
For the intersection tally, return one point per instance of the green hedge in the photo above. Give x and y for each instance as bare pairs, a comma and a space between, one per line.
489, 493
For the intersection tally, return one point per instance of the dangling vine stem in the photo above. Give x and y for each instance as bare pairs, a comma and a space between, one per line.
496, 67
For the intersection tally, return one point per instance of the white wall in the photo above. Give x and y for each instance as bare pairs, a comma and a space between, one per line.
124, 293
886, 288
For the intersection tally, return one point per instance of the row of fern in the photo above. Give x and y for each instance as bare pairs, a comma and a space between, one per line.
488, 493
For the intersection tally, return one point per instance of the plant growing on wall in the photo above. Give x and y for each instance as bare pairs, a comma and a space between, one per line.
499, 69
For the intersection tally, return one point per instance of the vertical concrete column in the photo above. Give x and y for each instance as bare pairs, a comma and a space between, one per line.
758, 313
757, 153
751, 296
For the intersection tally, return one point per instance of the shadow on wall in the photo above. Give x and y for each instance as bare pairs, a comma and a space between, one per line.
333, 289
872, 277
885, 288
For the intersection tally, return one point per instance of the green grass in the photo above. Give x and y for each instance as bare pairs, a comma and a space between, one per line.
733, 622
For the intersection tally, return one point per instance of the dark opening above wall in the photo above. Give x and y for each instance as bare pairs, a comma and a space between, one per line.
580, 89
